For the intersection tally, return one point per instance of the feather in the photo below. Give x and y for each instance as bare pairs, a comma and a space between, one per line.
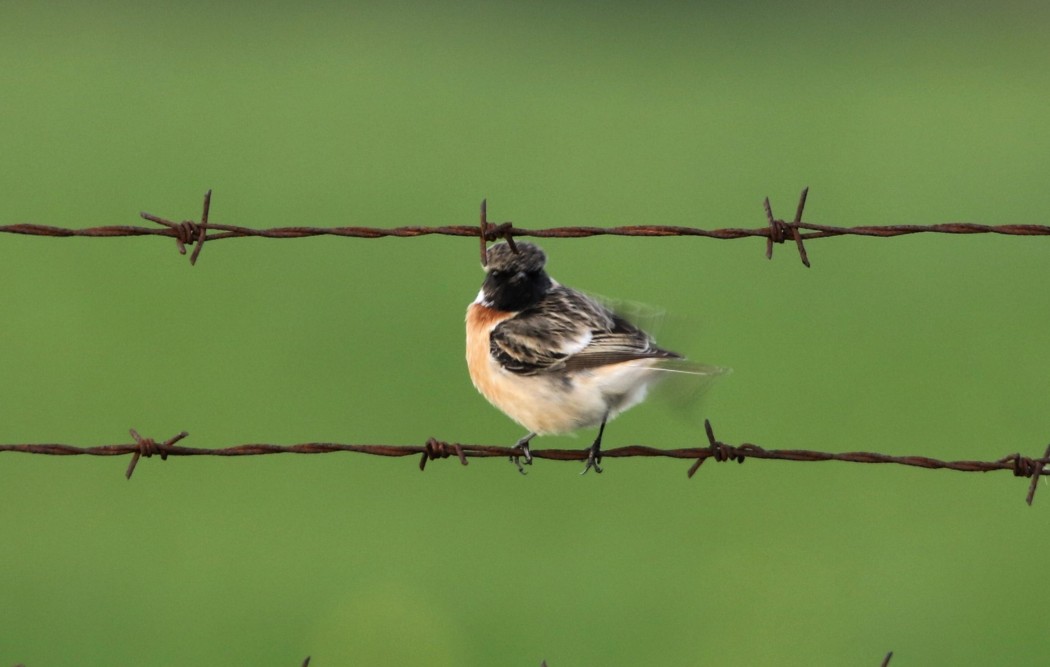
568, 330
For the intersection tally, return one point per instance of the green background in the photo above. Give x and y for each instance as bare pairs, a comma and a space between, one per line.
390, 114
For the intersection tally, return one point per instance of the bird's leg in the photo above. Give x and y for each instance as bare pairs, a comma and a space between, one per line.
595, 455
524, 445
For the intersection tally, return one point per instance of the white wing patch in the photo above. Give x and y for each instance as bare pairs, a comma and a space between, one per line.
576, 345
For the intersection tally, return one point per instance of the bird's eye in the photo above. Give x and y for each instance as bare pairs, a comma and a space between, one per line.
495, 273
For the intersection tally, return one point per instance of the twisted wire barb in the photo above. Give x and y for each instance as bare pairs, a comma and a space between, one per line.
189, 232
432, 449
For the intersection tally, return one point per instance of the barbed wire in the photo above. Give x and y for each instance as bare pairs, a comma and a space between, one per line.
1021, 466
306, 662
198, 232
776, 231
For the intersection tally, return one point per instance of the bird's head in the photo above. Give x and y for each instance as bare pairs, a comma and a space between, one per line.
515, 280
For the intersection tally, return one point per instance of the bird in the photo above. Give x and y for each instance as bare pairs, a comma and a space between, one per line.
554, 359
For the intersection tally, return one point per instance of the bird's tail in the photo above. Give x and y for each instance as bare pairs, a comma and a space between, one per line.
681, 385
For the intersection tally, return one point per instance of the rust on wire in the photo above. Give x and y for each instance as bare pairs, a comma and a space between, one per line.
778, 229
148, 447
775, 231
432, 449
719, 451
435, 449
491, 232
1033, 469
187, 231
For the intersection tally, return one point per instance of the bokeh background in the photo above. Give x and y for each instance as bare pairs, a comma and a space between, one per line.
560, 113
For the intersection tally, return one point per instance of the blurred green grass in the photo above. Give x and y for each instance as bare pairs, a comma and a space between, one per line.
405, 113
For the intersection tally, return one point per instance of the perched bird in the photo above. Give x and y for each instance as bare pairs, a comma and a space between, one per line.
554, 359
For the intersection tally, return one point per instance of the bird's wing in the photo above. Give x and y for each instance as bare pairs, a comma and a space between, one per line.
569, 330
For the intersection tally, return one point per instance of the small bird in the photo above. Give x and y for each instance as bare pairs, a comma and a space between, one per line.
554, 359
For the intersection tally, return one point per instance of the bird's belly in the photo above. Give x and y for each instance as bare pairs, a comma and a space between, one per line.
554, 402
544, 404
548, 404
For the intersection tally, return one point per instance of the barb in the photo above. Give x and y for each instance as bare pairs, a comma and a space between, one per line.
490, 232
148, 447
775, 231
1020, 466
187, 231
778, 229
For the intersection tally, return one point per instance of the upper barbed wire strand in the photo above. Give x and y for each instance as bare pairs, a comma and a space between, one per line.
776, 231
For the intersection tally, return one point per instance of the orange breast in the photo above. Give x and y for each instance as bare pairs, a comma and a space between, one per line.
481, 320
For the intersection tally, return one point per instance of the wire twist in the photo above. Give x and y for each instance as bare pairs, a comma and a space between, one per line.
436, 449
148, 447
491, 232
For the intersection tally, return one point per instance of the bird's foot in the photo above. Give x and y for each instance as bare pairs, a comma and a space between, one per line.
594, 457
526, 453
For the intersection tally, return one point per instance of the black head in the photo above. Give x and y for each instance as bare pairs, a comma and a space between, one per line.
515, 281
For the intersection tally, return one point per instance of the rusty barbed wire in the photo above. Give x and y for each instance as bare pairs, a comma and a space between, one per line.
197, 233
306, 662
433, 449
